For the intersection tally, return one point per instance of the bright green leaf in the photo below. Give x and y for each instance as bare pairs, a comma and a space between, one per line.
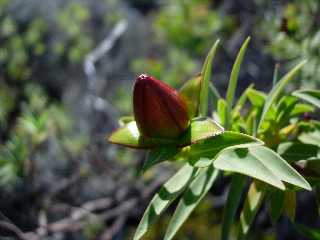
311, 96
310, 137
190, 91
210, 147
262, 163
206, 75
199, 129
276, 91
233, 81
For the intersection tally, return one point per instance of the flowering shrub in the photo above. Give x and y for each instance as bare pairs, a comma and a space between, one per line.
275, 142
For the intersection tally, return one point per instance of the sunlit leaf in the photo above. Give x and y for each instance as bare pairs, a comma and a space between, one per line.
262, 163
311, 96
210, 147
233, 81
276, 91
310, 137
190, 92
206, 76
199, 129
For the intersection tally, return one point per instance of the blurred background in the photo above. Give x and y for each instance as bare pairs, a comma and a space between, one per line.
66, 74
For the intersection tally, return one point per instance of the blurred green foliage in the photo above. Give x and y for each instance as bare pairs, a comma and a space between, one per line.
29, 115
293, 34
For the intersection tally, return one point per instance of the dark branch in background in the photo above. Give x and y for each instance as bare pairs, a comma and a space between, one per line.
101, 209
10, 227
94, 101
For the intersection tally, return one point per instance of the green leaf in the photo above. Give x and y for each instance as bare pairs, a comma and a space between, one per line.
206, 75
311, 96
237, 184
159, 155
310, 233
190, 92
242, 99
221, 111
301, 108
214, 95
296, 151
276, 205
199, 129
262, 163
290, 202
310, 137
166, 195
130, 136
233, 81
210, 147
256, 98
275, 74
276, 91
198, 188
251, 206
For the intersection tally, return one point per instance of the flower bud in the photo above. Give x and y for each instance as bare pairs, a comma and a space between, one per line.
159, 111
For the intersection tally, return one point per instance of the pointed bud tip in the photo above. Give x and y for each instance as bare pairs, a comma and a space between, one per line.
159, 110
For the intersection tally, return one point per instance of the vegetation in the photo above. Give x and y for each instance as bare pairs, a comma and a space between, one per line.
242, 163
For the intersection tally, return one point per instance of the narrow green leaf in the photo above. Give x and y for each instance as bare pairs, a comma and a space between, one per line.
237, 184
276, 91
221, 111
262, 163
166, 195
276, 205
233, 81
256, 98
206, 75
275, 74
191, 198
310, 233
251, 206
190, 91
311, 96
159, 155
290, 202
243, 98
215, 95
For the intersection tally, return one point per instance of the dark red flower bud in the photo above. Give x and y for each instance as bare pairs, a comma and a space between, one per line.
159, 110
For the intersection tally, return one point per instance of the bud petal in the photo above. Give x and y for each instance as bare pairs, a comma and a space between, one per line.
159, 110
